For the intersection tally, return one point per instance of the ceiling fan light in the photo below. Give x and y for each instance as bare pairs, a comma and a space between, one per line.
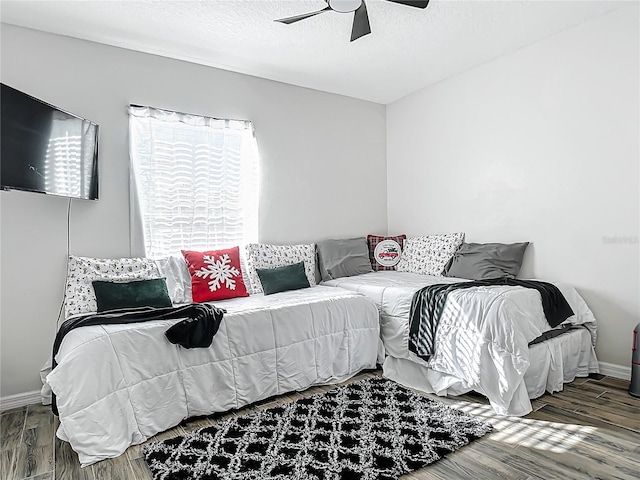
344, 6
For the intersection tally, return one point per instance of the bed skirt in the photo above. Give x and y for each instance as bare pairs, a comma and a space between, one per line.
553, 363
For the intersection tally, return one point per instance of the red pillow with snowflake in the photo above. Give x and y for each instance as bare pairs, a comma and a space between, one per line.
215, 275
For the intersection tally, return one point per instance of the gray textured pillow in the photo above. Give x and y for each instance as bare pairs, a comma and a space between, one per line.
343, 258
480, 261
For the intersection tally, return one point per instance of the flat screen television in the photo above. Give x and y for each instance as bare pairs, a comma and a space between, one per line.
45, 149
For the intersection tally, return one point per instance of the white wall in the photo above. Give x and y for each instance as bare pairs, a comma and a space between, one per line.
323, 168
540, 145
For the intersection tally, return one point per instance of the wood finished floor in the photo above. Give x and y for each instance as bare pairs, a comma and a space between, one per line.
590, 430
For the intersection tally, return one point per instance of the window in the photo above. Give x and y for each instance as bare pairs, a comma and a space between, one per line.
194, 182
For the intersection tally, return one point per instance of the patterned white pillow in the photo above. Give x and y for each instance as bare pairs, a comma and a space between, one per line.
271, 256
79, 294
429, 255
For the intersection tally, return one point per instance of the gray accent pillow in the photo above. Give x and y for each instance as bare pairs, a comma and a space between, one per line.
343, 258
481, 261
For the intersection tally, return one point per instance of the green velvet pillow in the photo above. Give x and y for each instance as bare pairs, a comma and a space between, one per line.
281, 279
137, 293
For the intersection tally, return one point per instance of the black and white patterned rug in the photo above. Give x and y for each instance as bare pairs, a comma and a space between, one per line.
372, 429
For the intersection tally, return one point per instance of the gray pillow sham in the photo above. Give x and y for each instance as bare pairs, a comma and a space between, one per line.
481, 261
343, 258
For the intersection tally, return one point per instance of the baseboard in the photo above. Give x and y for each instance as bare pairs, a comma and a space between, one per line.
613, 370
19, 400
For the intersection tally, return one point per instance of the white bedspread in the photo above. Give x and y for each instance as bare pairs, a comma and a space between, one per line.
118, 385
483, 336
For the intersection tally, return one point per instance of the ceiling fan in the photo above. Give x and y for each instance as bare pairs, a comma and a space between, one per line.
361, 25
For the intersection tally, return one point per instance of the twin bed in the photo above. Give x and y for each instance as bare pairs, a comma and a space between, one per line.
483, 340
118, 385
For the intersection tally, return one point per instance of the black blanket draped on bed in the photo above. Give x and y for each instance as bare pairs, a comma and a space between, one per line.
201, 322
428, 303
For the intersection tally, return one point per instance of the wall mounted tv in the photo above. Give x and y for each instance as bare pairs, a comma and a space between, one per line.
45, 149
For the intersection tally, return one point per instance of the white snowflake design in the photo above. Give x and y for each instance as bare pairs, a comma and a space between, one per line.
219, 271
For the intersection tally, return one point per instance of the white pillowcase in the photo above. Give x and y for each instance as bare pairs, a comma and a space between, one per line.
429, 255
175, 270
271, 256
81, 271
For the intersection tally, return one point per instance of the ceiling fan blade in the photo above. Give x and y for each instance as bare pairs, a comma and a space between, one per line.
361, 25
297, 18
412, 3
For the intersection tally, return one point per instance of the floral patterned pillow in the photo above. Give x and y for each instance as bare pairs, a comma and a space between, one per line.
271, 256
429, 255
79, 296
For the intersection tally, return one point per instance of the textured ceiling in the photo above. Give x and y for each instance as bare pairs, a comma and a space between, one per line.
407, 50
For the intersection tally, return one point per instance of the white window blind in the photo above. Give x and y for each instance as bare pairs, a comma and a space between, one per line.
196, 180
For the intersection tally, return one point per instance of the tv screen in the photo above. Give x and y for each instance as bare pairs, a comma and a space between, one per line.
45, 149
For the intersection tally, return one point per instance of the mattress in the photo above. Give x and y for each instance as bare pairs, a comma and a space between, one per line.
483, 337
118, 385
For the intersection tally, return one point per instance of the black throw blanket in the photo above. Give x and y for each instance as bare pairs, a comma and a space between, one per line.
200, 324
428, 303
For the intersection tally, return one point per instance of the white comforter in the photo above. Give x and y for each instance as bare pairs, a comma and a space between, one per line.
118, 385
483, 336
